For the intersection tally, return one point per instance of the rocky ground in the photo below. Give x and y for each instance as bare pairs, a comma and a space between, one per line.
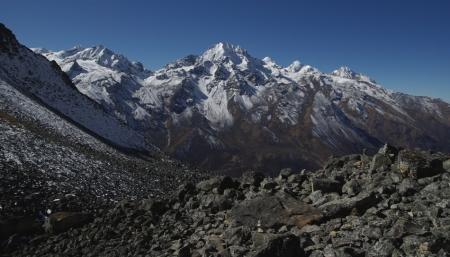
43, 172
395, 203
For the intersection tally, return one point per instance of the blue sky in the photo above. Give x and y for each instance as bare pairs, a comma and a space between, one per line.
405, 45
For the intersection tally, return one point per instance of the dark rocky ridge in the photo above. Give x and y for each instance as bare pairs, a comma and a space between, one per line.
395, 203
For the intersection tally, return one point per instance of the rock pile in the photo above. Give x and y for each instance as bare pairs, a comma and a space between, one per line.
395, 203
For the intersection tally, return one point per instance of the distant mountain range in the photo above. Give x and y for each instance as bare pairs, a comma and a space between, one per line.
222, 110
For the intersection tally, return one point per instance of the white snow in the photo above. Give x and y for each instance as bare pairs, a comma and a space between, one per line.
34, 74
207, 84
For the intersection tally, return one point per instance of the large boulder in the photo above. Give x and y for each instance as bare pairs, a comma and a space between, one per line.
156, 207
252, 178
351, 187
389, 151
20, 226
345, 206
327, 185
218, 183
62, 221
415, 164
268, 245
384, 158
446, 165
380, 161
274, 211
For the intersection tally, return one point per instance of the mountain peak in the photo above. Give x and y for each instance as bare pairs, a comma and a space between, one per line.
295, 66
99, 54
7, 38
222, 51
268, 59
227, 47
346, 72
40, 50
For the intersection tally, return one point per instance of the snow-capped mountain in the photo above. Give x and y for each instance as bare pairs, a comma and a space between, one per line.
107, 78
346, 72
226, 109
36, 89
62, 151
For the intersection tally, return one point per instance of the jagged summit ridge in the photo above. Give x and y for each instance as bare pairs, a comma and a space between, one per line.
347, 73
100, 55
344, 72
209, 98
221, 51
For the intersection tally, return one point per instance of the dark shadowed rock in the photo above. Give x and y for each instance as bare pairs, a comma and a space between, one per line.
19, 225
252, 178
274, 211
184, 251
416, 165
345, 206
326, 185
208, 185
221, 183
156, 207
285, 173
62, 221
237, 235
389, 151
268, 245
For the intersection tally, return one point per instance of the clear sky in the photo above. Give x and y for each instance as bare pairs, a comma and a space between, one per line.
405, 45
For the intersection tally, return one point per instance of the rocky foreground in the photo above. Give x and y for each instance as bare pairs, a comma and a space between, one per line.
396, 203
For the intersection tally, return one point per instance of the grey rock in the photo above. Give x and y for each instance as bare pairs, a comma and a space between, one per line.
252, 178
274, 211
382, 248
268, 184
326, 185
407, 187
237, 235
388, 150
184, 251
315, 196
446, 165
285, 173
416, 165
383, 213
267, 245
156, 207
345, 206
208, 185
351, 187
380, 161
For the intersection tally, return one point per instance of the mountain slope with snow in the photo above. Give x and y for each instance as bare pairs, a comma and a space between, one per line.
32, 80
62, 151
225, 109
